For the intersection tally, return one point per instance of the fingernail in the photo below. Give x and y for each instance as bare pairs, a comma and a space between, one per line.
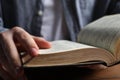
103, 66
34, 52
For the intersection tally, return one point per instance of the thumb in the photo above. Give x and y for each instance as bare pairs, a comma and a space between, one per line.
97, 67
94, 66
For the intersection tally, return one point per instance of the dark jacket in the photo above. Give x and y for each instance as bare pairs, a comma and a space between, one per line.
24, 13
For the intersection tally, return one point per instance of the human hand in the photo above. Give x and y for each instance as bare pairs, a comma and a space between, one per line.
12, 42
97, 66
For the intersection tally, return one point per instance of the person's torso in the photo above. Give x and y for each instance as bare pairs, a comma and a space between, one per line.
28, 14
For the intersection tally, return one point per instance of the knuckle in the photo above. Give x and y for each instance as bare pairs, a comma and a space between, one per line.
16, 29
19, 33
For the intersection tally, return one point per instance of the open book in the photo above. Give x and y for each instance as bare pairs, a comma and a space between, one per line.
98, 42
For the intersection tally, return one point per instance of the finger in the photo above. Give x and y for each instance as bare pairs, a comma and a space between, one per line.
10, 54
3, 58
97, 67
41, 42
20, 48
9, 49
26, 41
5, 74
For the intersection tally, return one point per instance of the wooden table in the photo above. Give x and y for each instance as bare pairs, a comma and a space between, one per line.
111, 73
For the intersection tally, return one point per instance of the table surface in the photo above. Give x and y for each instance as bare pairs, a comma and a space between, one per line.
111, 73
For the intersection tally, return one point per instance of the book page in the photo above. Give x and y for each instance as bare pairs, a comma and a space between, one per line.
104, 33
63, 46
64, 53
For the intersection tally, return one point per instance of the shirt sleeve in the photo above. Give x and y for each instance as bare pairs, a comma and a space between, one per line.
2, 28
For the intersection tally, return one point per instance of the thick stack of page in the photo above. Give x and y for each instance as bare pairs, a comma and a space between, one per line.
98, 42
